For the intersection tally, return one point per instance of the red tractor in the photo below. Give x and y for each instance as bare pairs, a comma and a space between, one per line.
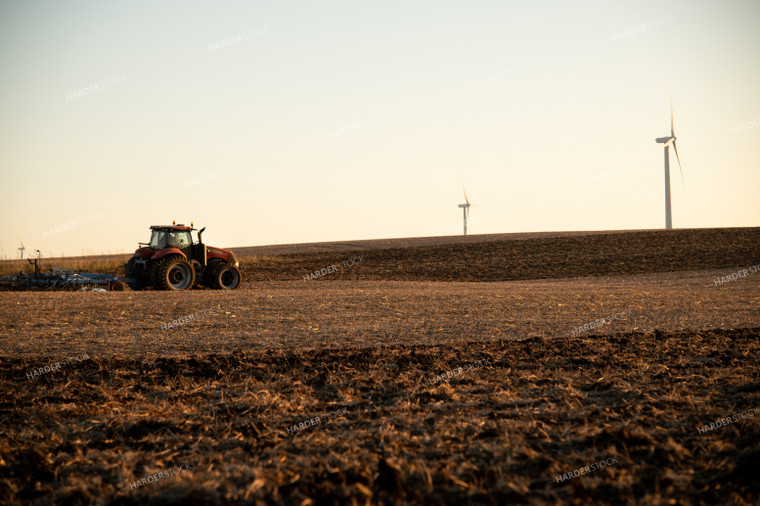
172, 261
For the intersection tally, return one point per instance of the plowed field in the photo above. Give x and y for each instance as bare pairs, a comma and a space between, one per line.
593, 369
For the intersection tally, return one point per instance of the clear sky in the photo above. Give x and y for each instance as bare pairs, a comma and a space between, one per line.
282, 122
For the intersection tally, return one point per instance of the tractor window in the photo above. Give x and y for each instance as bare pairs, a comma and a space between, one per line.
158, 239
178, 239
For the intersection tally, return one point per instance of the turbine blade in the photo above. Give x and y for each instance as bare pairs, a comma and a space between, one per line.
19, 240
679, 162
465, 194
671, 117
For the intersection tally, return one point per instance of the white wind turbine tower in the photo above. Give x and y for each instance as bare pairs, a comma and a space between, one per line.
22, 248
465, 209
667, 141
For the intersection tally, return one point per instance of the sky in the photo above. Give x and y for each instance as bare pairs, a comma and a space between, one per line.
287, 122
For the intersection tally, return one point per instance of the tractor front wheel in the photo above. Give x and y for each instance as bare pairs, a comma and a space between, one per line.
175, 273
224, 276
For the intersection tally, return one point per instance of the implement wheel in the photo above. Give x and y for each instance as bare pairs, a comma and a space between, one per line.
116, 286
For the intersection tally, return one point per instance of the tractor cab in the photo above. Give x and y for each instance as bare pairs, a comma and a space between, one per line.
160, 239
174, 237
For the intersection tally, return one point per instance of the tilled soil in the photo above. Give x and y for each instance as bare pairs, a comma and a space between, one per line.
301, 315
468, 423
491, 258
426, 392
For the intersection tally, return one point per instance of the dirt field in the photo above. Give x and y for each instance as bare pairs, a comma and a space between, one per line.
512, 256
427, 391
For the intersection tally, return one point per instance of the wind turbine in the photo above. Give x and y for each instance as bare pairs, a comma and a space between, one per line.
667, 141
465, 209
22, 248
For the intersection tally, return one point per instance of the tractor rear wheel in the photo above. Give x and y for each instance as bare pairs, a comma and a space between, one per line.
174, 273
224, 276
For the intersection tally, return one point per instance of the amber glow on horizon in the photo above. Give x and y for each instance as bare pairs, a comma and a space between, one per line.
294, 122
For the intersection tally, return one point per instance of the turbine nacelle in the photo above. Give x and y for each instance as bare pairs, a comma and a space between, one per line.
466, 209
666, 140
22, 248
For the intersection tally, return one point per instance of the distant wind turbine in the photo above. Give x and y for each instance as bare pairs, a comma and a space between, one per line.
22, 248
465, 209
667, 141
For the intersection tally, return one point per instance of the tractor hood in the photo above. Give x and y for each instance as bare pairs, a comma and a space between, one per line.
145, 252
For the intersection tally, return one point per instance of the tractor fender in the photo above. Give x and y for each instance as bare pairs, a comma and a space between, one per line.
216, 253
166, 252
